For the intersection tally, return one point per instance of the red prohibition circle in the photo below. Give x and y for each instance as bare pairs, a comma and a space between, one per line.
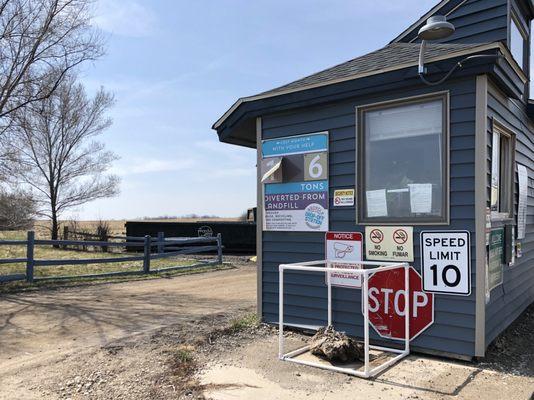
376, 236
400, 236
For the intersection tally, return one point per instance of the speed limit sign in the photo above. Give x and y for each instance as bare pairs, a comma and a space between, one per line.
446, 262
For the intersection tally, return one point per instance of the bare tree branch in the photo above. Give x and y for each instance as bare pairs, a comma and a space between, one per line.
55, 151
42, 40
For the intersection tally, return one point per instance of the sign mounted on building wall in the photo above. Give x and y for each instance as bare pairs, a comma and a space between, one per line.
344, 250
522, 178
298, 199
343, 198
389, 243
495, 258
387, 299
446, 262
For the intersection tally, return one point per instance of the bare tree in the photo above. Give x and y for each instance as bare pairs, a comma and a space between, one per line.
56, 154
17, 210
41, 40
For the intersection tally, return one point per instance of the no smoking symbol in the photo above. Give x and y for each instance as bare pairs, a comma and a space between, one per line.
376, 236
400, 236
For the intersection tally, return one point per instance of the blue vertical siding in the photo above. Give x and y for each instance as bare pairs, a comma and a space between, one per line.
510, 299
305, 300
476, 21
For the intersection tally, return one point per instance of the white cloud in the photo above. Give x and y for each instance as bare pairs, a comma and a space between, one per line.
125, 18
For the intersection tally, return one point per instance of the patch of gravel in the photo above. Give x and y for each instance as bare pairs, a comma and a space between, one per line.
161, 365
513, 351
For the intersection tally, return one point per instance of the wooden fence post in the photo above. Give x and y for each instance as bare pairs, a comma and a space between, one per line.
65, 235
146, 259
219, 249
161, 242
29, 256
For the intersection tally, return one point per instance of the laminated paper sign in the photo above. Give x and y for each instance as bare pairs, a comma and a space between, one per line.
300, 202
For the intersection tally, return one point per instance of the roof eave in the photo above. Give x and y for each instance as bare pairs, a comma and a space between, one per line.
485, 47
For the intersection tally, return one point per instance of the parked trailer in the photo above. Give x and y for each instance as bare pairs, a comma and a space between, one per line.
239, 236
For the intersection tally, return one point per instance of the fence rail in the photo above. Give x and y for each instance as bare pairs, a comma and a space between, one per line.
166, 247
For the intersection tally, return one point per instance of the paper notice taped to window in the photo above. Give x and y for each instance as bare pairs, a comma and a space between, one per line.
421, 198
377, 205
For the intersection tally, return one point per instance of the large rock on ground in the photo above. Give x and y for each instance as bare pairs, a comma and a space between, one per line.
335, 346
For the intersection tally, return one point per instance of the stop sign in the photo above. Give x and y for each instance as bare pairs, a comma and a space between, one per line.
387, 300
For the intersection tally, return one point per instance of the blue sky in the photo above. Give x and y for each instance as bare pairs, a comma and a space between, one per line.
175, 66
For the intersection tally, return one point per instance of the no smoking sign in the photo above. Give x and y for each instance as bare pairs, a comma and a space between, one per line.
446, 262
390, 243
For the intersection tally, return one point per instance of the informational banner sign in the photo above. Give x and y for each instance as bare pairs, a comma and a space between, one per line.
301, 206
344, 250
300, 144
495, 258
446, 262
389, 243
343, 198
387, 299
296, 183
522, 175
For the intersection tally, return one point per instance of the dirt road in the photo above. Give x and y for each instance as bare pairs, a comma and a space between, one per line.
184, 338
42, 328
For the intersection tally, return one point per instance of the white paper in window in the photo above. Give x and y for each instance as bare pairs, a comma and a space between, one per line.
377, 205
421, 198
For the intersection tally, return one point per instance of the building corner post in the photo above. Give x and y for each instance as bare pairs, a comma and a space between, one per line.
259, 220
480, 212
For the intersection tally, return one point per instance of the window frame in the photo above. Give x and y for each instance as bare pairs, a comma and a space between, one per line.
509, 175
514, 20
444, 219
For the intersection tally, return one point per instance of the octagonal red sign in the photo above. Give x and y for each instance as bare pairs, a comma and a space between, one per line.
387, 301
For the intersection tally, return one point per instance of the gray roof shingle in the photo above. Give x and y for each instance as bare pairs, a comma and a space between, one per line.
392, 55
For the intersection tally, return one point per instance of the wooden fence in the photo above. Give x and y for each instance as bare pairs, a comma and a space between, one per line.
166, 248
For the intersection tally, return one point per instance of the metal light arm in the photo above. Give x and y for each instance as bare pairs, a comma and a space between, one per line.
459, 64
422, 69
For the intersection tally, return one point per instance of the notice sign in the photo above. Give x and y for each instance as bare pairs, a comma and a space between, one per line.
446, 262
344, 250
297, 198
389, 243
344, 198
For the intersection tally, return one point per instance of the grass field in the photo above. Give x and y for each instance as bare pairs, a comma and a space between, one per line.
48, 252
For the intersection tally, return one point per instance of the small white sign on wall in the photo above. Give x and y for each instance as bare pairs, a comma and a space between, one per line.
446, 262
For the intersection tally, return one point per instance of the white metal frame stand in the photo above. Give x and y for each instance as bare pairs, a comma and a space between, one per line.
311, 266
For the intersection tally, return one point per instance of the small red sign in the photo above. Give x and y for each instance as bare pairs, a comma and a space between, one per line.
387, 298
344, 236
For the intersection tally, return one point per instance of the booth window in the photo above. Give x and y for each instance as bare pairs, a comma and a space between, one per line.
403, 155
502, 172
518, 40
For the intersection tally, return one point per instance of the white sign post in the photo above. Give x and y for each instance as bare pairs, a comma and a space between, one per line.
446, 262
344, 250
